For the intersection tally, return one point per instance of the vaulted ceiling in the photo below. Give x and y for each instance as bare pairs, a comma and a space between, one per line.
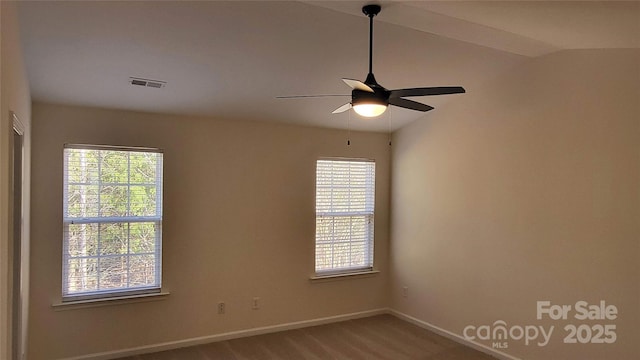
230, 59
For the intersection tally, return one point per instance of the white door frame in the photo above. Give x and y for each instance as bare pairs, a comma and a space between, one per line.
17, 241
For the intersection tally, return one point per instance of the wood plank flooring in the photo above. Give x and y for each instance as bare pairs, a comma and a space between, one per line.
382, 337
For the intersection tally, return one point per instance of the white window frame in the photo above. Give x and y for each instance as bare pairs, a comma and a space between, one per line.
327, 210
68, 296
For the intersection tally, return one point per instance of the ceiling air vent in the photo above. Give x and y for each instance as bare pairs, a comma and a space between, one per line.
147, 82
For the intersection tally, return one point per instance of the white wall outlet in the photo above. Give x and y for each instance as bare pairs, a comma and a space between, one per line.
255, 305
221, 308
405, 291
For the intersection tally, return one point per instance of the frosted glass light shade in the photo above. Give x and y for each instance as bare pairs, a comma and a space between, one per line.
370, 110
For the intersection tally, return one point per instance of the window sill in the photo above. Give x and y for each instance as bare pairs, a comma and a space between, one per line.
343, 276
118, 300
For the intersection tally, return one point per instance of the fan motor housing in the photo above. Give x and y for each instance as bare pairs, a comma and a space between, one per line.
379, 96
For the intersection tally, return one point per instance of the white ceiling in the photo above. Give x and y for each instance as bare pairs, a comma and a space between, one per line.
230, 59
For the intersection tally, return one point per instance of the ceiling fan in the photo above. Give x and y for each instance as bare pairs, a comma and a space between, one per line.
371, 99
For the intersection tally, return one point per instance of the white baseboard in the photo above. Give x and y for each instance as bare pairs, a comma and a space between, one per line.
453, 336
227, 336
290, 326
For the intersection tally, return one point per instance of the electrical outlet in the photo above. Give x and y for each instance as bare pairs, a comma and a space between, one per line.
256, 303
221, 308
405, 291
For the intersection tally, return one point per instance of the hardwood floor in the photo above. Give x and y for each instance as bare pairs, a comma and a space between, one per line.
382, 337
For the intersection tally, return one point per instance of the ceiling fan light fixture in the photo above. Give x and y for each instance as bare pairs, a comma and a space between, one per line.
369, 109
370, 104
370, 99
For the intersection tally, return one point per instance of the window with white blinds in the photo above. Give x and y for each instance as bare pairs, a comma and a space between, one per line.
112, 220
345, 199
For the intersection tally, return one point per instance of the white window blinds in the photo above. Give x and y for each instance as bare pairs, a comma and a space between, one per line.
345, 199
112, 220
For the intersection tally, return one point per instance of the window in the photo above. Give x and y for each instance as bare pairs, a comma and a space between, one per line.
112, 221
345, 195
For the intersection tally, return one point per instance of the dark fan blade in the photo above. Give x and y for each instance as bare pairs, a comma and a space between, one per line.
425, 91
358, 85
342, 108
410, 104
306, 96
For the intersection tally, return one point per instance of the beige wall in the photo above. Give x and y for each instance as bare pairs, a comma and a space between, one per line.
238, 222
15, 97
527, 189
